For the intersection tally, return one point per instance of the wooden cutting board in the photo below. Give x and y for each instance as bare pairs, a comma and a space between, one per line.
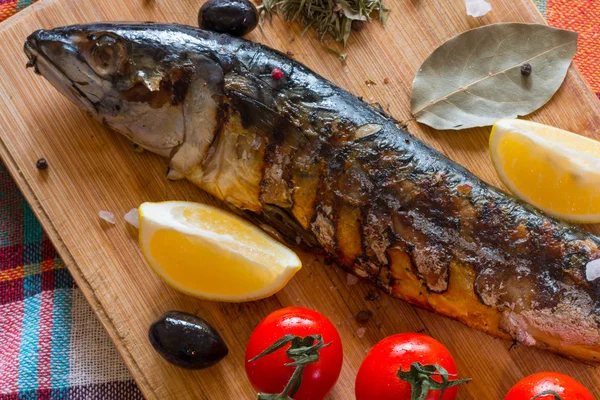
93, 169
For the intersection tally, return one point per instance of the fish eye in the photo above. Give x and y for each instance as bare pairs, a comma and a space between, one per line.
107, 55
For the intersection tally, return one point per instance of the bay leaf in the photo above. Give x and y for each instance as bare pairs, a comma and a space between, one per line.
475, 78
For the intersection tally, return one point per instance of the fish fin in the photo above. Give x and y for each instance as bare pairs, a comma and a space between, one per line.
203, 117
174, 175
288, 228
187, 158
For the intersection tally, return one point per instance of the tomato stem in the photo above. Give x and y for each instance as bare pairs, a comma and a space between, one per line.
304, 351
421, 380
546, 393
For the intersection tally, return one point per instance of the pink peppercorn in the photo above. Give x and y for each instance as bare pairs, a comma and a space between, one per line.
277, 74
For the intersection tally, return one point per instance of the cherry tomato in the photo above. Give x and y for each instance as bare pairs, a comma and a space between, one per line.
563, 385
268, 374
377, 376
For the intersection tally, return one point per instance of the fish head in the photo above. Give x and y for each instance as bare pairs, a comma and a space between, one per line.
134, 78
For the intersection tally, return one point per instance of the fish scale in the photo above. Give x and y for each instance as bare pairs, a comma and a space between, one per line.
324, 167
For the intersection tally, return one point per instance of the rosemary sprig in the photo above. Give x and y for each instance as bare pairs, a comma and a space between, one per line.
341, 56
327, 17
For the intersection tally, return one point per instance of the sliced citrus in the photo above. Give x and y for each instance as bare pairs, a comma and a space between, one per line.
555, 170
209, 253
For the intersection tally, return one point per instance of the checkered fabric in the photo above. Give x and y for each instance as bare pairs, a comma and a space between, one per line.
51, 344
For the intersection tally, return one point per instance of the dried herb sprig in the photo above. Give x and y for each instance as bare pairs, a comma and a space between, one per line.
327, 17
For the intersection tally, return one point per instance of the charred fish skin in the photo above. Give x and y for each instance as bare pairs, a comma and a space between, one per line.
328, 169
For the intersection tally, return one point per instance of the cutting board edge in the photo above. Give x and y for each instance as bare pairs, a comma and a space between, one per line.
574, 73
573, 70
38, 208
35, 7
73, 268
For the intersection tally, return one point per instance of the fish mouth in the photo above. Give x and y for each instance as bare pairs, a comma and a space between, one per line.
31, 50
43, 65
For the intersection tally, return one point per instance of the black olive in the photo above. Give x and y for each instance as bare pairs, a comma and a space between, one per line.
186, 340
234, 17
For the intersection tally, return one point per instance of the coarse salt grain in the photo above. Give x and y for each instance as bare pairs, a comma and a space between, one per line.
592, 270
133, 217
351, 279
107, 216
477, 8
360, 332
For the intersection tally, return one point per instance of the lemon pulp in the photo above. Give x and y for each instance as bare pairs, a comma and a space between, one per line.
200, 266
209, 253
555, 170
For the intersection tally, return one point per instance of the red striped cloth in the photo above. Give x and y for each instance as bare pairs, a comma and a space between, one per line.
583, 17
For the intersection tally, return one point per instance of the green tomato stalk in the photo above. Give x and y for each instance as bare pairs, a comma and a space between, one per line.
304, 351
421, 380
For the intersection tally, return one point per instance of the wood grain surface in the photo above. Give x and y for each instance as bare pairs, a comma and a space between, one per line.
92, 169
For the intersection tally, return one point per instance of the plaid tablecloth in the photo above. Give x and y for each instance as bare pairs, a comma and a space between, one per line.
51, 344
52, 347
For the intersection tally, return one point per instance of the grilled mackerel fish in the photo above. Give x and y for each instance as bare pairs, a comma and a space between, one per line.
322, 166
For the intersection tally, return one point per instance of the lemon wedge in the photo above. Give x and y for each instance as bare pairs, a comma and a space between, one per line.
211, 254
555, 170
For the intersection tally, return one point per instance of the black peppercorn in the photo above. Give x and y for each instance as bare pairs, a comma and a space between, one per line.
363, 316
526, 69
137, 148
372, 296
41, 164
